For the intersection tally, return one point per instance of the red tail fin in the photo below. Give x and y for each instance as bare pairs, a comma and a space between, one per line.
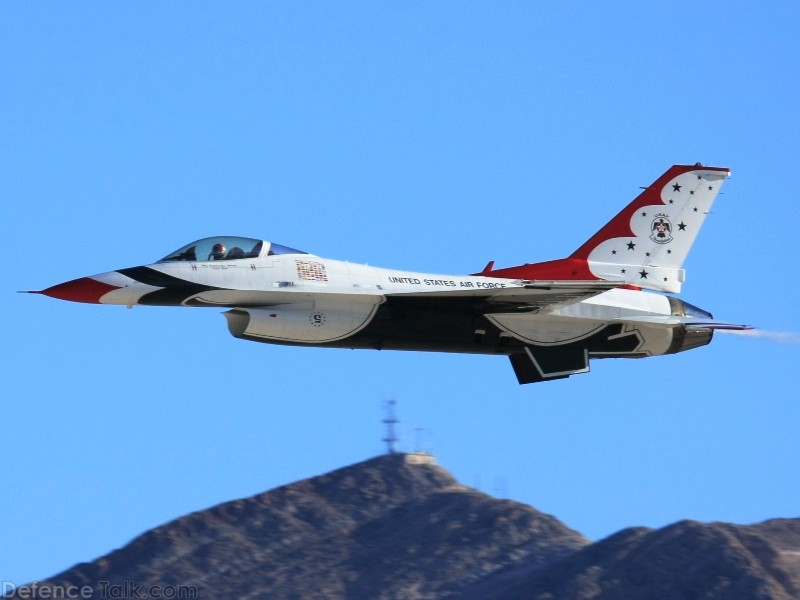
646, 243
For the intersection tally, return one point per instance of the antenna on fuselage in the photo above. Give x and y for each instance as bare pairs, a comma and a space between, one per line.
390, 421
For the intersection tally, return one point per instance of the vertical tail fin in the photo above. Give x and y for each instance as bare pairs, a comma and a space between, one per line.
647, 242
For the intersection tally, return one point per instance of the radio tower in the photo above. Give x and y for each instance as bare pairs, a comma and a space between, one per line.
390, 420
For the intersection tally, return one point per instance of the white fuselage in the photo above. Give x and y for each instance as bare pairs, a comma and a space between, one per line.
302, 298
549, 318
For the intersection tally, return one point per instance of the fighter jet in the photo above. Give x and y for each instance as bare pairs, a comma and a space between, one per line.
548, 318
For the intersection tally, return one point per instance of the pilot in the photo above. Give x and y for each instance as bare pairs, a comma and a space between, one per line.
217, 252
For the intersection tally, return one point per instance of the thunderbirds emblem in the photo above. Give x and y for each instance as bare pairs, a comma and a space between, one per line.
661, 230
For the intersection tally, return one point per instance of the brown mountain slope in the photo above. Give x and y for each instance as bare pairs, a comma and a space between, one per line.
383, 528
683, 561
391, 528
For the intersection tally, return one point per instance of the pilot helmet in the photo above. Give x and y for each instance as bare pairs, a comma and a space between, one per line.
218, 251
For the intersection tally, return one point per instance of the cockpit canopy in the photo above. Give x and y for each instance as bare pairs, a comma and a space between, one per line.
227, 247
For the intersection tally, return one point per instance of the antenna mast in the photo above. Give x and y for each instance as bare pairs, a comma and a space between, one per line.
389, 421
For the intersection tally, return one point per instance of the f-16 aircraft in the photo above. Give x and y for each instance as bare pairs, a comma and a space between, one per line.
548, 318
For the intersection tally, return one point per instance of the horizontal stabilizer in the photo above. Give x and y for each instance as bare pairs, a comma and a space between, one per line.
671, 321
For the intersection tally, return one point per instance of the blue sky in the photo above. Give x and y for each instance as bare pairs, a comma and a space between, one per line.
422, 136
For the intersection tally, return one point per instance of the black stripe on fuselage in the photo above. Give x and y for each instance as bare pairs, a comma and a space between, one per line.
174, 292
434, 324
459, 325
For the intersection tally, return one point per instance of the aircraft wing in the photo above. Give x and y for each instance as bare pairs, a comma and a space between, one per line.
537, 297
534, 296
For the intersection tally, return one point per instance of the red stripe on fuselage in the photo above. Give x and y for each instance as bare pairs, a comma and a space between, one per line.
565, 268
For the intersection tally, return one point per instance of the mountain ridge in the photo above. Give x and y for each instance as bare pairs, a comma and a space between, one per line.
399, 526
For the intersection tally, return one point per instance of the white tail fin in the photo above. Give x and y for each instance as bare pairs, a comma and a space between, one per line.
646, 243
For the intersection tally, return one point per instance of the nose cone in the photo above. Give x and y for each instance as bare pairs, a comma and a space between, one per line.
84, 289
